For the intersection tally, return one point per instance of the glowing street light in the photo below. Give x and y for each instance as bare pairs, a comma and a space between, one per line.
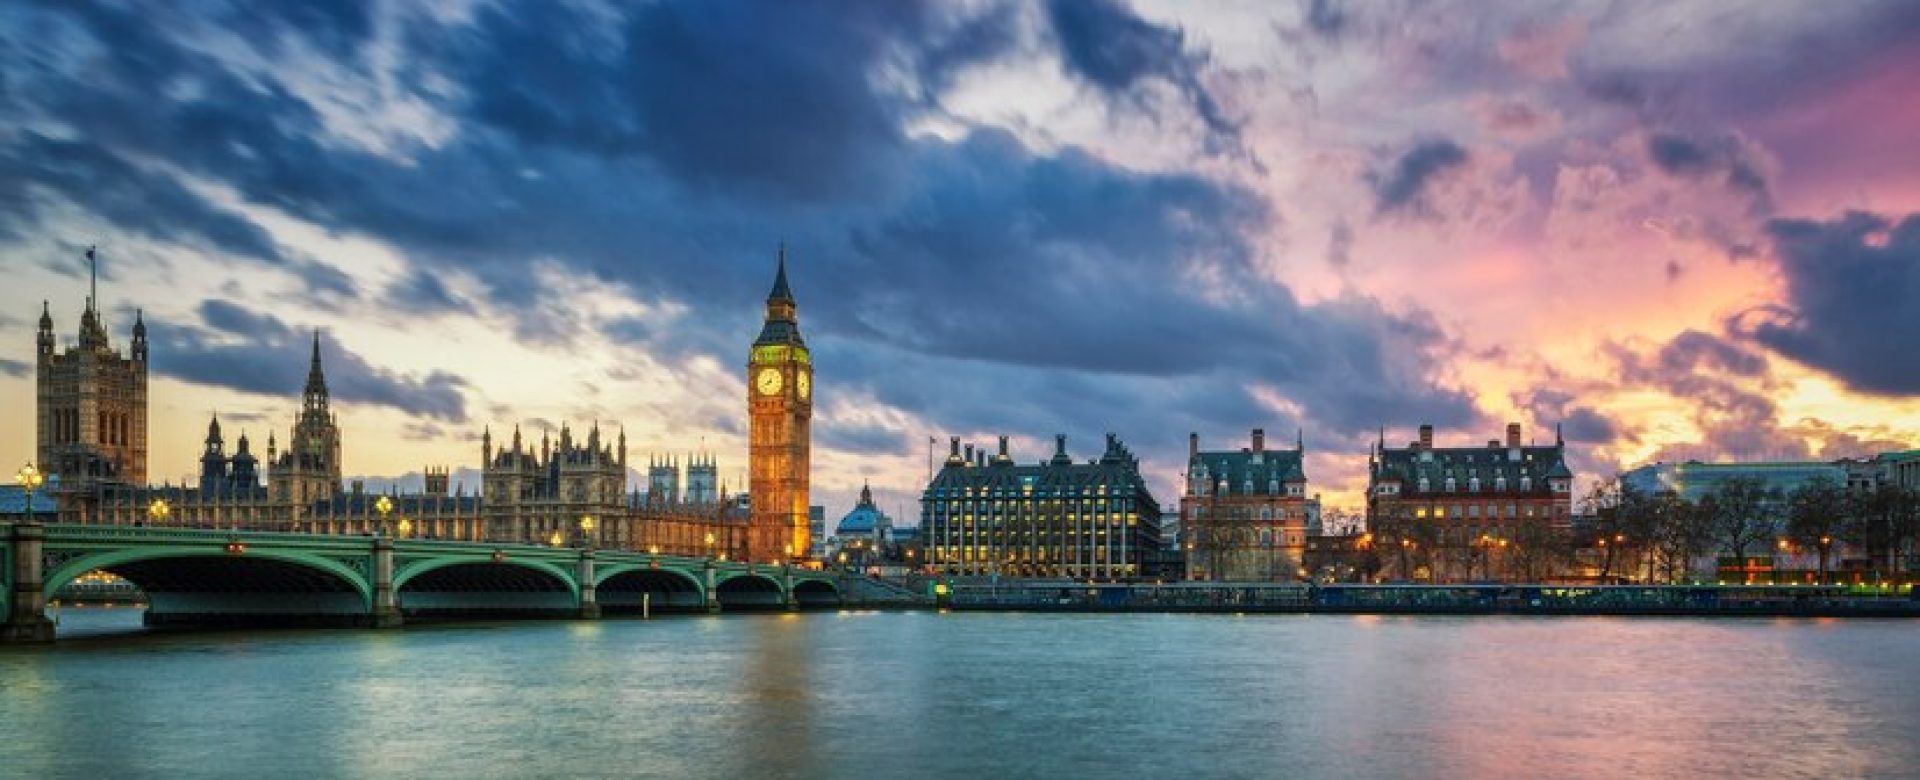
29, 477
556, 539
157, 511
406, 527
385, 507
586, 530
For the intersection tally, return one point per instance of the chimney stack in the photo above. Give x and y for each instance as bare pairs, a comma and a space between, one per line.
1513, 434
1259, 440
969, 454
1426, 437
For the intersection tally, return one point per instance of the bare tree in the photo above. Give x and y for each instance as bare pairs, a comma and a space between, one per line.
1817, 513
1743, 512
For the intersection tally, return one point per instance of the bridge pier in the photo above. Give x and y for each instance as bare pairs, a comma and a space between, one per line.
787, 599
711, 597
589, 600
27, 603
386, 611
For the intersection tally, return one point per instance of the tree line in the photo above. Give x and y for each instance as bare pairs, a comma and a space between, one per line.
1659, 535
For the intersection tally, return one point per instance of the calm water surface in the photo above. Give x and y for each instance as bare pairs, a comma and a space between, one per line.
975, 695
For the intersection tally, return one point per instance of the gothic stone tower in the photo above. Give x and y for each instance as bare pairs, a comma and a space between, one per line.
92, 415
310, 469
780, 408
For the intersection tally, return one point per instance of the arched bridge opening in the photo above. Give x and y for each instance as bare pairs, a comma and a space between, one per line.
749, 592
655, 590
480, 589
815, 594
232, 590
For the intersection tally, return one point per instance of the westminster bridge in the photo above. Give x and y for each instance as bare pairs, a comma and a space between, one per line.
248, 577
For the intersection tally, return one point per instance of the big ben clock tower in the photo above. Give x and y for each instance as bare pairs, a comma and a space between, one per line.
780, 407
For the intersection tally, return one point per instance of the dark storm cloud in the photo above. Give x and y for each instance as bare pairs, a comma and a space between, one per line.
1326, 17
1403, 186
15, 368
254, 352
972, 281
132, 198
1852, 300
422, 292
1105, 44
1725, 160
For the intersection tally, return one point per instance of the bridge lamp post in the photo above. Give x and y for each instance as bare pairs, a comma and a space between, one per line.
710, 544
556, 539
586, 531
385, 507
406, 527
157, 511
30, 478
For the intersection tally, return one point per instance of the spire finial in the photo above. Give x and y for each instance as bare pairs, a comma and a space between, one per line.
93, 277
781, 292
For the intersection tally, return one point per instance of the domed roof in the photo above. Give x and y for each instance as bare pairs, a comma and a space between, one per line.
864, 518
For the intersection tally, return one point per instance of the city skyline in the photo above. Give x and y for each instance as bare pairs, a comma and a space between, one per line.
1005, 220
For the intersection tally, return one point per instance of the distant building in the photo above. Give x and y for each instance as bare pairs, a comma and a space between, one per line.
1694, 480
1055, 518
1454, 505
864, 534
91, 401
1245, 513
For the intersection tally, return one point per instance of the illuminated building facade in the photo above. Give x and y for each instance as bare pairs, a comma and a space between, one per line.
1245, 514
91, 401
780, 413
1459, 504
1055, 518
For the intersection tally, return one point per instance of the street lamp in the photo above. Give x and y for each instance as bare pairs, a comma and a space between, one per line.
556, 539
385, 507
30, 478
586, 530
406, 527
709, 544
157, 511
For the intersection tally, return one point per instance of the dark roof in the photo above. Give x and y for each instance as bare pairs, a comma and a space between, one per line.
1464, 463
1238, 466
781, 292
1117, 469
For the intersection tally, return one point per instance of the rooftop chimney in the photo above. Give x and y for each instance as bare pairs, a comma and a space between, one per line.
1259, 440
1426, 437
1513, 434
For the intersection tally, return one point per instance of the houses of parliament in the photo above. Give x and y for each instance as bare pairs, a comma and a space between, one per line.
92, 438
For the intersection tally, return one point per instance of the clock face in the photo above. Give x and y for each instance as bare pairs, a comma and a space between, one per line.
767, 381
804, 384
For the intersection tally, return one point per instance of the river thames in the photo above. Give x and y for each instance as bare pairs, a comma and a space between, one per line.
917, 694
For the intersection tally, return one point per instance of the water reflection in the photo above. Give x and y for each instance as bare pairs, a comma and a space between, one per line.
959, 695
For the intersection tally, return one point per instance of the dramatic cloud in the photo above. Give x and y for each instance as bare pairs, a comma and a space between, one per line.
597, 189
1402, 187
1852, 300
257, 353
1109, 47
1725, 160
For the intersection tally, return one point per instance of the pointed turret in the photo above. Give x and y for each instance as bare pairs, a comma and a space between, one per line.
316, 374
866, 496
139, 336
45, 337
782, 324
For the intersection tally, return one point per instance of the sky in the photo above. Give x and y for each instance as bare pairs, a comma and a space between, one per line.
1675, 229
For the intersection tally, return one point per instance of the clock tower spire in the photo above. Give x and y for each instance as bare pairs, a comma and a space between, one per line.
780, 408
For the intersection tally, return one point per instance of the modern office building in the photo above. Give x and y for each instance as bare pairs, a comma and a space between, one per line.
988, 515
1693, 479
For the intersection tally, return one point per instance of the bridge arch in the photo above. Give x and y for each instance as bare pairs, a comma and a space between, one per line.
622, 587
745, 590
479, 585
211, 585
816, 593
